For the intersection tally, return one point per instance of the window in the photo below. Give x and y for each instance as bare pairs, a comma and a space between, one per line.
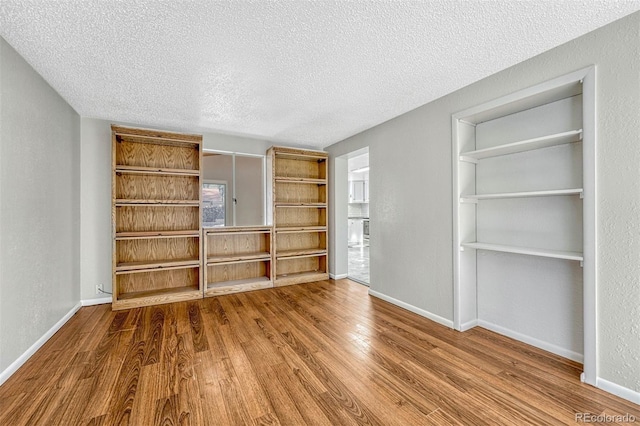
233, 189
214, 203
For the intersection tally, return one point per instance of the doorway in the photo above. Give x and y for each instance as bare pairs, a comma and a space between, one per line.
358, 218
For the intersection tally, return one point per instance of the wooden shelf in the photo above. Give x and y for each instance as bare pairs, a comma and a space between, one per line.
156, 171
300, 277
159, 264
156, 234
160, 293
529, 194
283, 254
154, 297
130, 202
156, 139
239, 258
521, 146
237, 230
295, 229
310, 205
556, 254
237, 286
302, 155
284, 179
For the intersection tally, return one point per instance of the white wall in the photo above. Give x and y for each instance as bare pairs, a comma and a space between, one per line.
95, 176
411, 213
39, 207
338, 212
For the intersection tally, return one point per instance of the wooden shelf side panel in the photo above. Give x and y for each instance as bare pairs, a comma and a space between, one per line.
295, 193
300, 217
160, 156
157, 187
141, 218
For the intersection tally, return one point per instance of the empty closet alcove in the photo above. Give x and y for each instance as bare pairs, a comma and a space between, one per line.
524, 217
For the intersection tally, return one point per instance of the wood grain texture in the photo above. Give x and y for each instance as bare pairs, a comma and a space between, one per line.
157, 280
238, 244
287, 192
155, 249
161, 156
155, 134
300, 241
238, 271
157, 187
325, 353
287, 217
237, 259
293, 265
304, 168
156, 218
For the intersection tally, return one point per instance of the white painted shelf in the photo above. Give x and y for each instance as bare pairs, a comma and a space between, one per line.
521, 146
556, 254
500, 195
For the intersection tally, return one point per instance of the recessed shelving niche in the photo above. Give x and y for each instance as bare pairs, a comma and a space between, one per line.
524, 217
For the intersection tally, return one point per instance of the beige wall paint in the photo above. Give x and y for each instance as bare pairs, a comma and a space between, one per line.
39, 206
411, 213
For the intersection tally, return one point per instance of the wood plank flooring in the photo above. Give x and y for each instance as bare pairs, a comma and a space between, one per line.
324, 353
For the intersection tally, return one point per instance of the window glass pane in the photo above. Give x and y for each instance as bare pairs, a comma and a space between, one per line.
213, 204
244, 191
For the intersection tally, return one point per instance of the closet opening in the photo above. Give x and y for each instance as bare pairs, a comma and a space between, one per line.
524, 217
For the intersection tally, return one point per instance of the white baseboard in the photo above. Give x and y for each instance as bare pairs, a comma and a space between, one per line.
549, 347
468, 325
621, 391
98, 301
337, 276
415, 310
8, 372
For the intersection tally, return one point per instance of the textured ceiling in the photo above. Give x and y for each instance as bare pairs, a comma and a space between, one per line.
296, 72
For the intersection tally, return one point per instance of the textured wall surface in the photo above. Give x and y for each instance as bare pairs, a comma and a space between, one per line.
301, 72
39, 206
411, 213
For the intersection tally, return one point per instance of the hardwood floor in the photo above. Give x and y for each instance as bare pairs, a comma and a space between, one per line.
324, 353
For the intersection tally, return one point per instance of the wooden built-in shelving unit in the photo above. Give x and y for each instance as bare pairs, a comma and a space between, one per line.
297, 204
156, 217
237, 259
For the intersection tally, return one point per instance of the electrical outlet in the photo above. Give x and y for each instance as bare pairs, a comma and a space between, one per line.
99, 289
